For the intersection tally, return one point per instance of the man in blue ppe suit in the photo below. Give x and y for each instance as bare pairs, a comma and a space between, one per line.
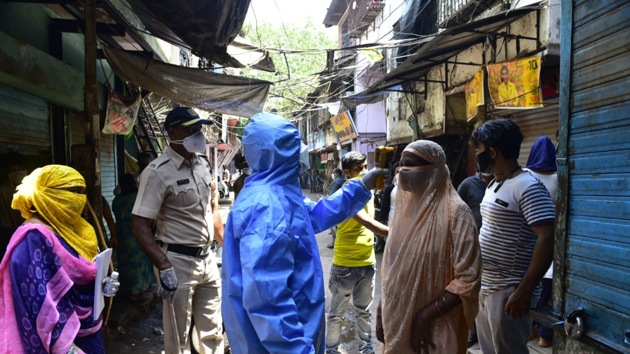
273, 288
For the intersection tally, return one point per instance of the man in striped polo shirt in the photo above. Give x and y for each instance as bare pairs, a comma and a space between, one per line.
516, 240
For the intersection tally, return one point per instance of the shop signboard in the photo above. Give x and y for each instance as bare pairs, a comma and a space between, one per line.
344, 126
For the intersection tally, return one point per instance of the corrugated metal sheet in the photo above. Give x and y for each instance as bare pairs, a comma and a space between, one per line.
535, 123
24, 123
597, 106
108, 166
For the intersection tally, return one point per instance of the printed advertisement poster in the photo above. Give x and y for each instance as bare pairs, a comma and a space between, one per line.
344, 126
474, 95
122, 112
515, 84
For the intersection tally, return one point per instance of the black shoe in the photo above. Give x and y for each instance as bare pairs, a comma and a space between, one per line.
331, 245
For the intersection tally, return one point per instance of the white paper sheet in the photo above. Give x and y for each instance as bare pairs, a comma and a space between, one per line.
101, 261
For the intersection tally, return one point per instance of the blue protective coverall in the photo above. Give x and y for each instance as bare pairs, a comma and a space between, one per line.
272, 280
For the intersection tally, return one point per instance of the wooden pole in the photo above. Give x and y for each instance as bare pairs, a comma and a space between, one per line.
93, 139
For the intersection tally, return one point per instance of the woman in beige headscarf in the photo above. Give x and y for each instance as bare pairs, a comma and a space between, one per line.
432, 265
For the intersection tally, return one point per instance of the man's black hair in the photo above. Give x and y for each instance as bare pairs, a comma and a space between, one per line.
500, 134
240, 162
127, 184
352, 158
338, 172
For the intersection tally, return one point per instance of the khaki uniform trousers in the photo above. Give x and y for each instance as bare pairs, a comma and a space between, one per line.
198, 294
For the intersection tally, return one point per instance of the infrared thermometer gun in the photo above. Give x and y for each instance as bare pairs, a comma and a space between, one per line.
383, 157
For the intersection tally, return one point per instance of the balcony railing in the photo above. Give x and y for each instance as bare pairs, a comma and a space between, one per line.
365, 15
455, 12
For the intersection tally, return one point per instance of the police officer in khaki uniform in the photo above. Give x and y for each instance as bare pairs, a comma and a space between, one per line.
178, 191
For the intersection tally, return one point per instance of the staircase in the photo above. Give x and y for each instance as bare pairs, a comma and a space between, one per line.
148, 131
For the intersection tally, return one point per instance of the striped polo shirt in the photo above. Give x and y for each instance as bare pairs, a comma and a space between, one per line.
506, 238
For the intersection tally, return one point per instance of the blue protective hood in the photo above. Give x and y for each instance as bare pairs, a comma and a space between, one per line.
271, 145
542, 157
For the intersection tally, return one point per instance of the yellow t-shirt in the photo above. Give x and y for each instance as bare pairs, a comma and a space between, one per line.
508, 94
354, 245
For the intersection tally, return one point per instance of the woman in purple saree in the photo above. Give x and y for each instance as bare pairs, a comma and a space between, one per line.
47, 275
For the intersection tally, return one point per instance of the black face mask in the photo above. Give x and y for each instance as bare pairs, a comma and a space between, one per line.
483, 161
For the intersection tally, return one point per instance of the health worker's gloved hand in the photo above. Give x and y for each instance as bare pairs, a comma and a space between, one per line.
369, 179
168, 284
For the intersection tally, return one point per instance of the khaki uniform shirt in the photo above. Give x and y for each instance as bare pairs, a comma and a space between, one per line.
177, 193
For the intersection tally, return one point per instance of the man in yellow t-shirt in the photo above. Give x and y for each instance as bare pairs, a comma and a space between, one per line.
507, 91
353, 270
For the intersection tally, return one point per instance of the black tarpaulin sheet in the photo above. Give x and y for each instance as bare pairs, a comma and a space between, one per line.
206, 27
235, 95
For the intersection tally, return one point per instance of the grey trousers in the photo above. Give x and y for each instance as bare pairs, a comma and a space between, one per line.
499, 333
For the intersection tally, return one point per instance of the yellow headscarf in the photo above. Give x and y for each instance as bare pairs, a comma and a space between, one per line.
45, 192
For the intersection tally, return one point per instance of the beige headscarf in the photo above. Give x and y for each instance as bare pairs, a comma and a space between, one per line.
432, 246
45, 192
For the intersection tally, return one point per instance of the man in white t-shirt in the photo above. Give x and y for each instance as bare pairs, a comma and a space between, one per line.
516, 239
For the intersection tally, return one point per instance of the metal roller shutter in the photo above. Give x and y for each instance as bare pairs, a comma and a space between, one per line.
108, 154
535, 123
108, 158
24, 123
594, 192
108, 167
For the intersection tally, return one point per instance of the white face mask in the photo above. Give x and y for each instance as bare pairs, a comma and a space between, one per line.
195, 143
17, 177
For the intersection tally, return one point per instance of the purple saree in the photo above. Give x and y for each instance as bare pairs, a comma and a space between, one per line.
47, 296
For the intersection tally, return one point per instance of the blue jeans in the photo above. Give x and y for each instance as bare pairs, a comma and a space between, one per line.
358, 282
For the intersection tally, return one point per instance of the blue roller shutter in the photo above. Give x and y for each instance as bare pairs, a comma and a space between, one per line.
594, 232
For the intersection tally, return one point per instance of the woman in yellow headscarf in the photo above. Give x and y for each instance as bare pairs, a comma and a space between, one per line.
47, 275
431, 267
